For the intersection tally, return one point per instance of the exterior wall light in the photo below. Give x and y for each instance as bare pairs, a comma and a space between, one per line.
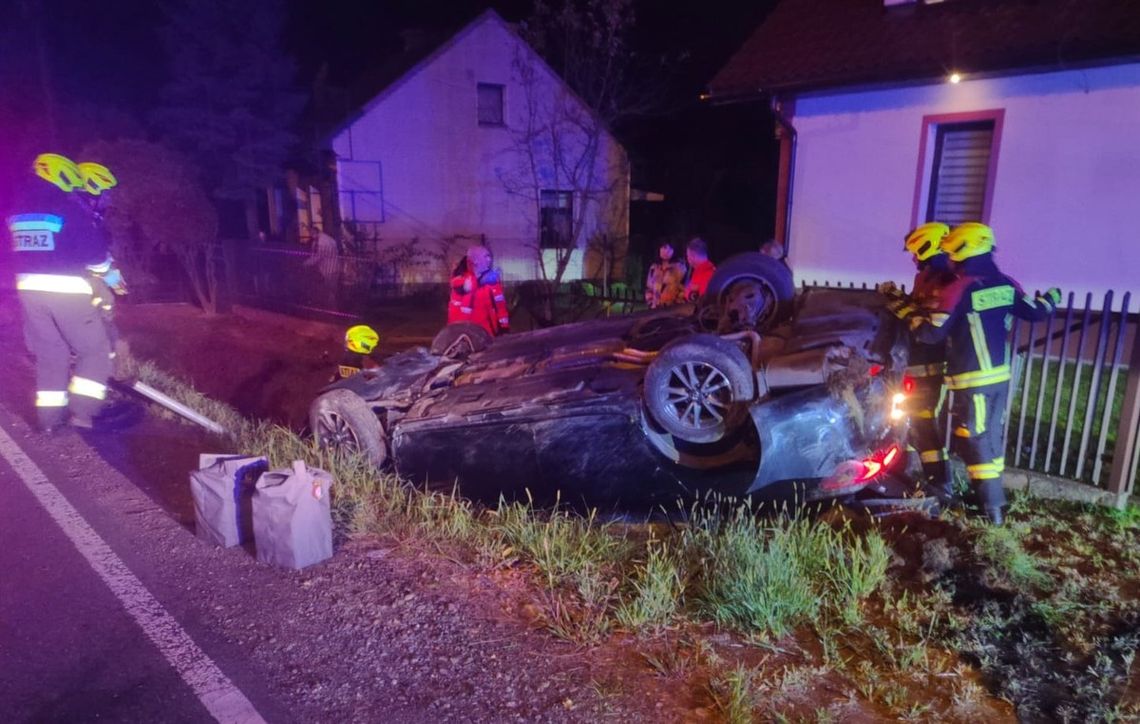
955, 78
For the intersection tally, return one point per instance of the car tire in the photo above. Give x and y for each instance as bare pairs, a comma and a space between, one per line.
773, 277
460, 339
340, 419
699, 387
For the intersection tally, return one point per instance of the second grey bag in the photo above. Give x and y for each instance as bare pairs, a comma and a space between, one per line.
222, 491
292, 520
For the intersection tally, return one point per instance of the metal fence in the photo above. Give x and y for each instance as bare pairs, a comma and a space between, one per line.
1074, 403
1072, 410
291, 279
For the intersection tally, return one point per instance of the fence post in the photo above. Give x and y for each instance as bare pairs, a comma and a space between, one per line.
1120, 477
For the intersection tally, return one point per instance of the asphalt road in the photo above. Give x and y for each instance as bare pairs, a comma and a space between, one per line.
91, 626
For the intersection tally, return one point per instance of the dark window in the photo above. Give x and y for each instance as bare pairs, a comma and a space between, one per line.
490, 104
556, 221
960, 174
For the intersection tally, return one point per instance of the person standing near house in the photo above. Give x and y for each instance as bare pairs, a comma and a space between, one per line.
701, 269
973, 317
477, 293
665, 284
927, 362
57, 249
325, 258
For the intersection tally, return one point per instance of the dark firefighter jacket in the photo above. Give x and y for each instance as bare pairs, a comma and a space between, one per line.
53, 234
974, 318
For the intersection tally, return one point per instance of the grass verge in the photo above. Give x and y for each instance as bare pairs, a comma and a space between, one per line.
1042, 613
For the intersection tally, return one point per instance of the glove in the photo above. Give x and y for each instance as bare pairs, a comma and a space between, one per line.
900, 307
1054, 296
467, 284
114, 280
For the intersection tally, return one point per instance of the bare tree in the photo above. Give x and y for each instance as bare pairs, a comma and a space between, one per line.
160, 207
567, 165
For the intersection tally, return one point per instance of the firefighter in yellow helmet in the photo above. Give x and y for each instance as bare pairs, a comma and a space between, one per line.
360, 341
973, 317
927, 362
57, 251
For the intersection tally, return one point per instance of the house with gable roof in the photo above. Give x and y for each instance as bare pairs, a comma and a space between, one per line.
482, 142
1023, 114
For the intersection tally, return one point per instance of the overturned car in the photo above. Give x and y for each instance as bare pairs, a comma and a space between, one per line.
755, 392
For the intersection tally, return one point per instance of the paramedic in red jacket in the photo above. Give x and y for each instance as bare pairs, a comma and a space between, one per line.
477, 293
697, 254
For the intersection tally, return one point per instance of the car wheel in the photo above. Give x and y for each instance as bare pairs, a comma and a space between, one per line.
755, 289
341, 420
460, 339
698, 388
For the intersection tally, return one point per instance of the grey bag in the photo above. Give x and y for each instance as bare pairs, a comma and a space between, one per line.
222, 490
292, 521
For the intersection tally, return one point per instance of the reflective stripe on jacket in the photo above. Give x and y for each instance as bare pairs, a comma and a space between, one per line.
59, 283
974, 318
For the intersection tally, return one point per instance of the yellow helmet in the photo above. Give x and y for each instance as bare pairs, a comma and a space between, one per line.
59, 171
967, 240
361, 339
923, 241
97, 178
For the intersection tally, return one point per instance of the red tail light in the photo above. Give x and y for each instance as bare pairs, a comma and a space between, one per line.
855, 474
876, 370
879, 463
908, 384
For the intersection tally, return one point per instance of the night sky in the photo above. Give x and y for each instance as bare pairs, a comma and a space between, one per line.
107, 66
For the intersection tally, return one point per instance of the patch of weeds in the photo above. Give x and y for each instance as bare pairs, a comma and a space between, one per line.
1000, 545
751, 577
658, 590
559, 543
574, 620
1023, 660
771, 576
856, 570
733, 693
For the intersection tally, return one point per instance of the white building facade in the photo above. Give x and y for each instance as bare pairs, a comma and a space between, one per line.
472, 145
1058, 160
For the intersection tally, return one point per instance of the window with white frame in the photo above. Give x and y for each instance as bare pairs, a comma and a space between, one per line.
960, 171
361, 191
490, 104
556, 220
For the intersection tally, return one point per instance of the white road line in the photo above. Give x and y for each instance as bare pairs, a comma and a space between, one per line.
216, 692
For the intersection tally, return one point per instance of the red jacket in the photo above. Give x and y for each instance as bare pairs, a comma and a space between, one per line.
699, 280
481, 303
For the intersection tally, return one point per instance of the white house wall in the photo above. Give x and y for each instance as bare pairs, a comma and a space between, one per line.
1064, 194
442, 173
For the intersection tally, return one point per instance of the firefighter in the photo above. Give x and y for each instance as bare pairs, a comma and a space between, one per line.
927, 362
973, 317
57, 249
359, 342
477, 293
98, 179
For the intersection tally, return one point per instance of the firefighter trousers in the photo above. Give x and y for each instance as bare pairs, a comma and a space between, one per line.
56, 326
927, 435
979, 439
